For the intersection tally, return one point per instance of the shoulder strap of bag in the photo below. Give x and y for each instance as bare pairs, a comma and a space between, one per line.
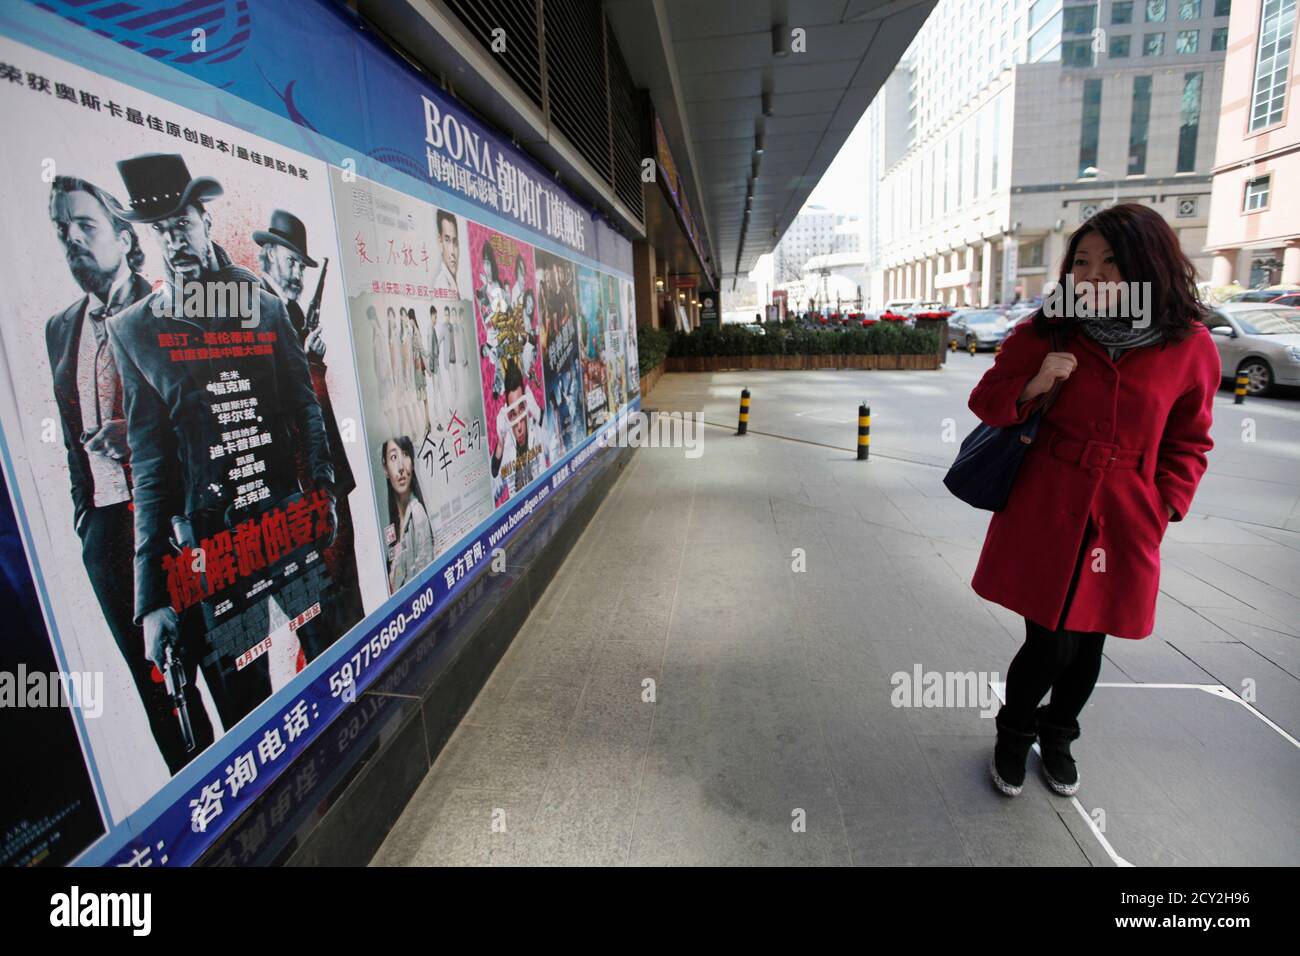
1058, 345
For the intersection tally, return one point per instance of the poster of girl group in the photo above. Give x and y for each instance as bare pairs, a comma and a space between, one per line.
247, 395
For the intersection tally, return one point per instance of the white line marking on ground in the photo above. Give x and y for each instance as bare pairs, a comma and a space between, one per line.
1115, 858
1217, 690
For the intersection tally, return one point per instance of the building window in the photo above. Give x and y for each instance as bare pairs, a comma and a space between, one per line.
1189, 9
995, 147
1119, 48
1187, 41
1156, 11
975, 172
1256, 194
1153, 44
1190, 122
1080, 19
1076, 53
961, 159
1219, 39
1121, 13
1138, 122
1090, 124
1045, 45
1031, 254
1036, 11
1276, 32
1222, 8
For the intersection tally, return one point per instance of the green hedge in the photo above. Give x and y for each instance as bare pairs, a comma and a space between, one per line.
651, 347
882, 338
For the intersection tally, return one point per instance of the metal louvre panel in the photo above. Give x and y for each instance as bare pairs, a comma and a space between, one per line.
625, 132
522, 58
576, 78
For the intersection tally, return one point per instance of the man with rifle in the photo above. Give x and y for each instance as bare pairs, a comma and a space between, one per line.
284, 259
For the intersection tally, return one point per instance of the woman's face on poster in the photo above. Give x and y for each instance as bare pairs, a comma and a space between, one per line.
397, 465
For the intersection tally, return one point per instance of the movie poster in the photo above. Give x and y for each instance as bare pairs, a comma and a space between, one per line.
592, 349
615, 339
171, 326
627, 312
407, 277
48, 824
505, 301
557, 296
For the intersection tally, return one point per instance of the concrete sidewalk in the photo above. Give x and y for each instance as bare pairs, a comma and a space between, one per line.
772, 689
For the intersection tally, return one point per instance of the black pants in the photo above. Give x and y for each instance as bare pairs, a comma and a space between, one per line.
106, 549
1065, 662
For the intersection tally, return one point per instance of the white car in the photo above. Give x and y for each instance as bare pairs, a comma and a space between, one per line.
1259, 339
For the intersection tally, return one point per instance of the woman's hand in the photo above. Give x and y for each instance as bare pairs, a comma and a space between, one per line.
1056, 367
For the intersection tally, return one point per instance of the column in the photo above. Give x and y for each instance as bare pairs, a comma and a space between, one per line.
929, 277
1007, 281
986, 274
1291, 264
1224, 265
968, 290
643, 278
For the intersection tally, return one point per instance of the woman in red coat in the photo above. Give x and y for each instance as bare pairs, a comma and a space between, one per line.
1119, 453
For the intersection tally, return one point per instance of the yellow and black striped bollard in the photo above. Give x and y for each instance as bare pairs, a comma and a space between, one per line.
971, 348
864, 431
1241, 388
952, 345
744, 412
997, 349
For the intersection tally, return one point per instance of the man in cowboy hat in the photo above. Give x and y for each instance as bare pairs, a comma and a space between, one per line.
283, 258
215, 431
104, 256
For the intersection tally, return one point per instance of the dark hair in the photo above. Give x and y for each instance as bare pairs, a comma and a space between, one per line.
71, 184
445, 216
513, 380
1146, 250
490, 257
404, 443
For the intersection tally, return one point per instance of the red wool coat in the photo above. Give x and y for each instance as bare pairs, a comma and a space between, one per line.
1151, 411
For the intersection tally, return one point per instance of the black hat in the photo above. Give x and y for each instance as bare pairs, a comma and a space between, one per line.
160, 185
286, 230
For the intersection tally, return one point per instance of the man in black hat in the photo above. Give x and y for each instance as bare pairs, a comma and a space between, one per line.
219, 407
283, 258
104, 255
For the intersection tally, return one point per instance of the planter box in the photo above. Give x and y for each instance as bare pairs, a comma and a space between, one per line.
723, 363
650, 378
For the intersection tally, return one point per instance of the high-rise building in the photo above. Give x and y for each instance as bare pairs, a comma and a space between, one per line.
1254, 230
1021, 118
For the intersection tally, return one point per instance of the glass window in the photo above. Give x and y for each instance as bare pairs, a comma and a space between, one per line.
1189, 9
1037, 10
1139, 119
1189, 123
1257, 194
1219, 39
1046, 43
1119, 48
1276, 33
1080, 19
1121, 12
961, 158
1090, 124
1031, 254
1187, 41
1156, 11
1222, 8
1076, 53
1153, 44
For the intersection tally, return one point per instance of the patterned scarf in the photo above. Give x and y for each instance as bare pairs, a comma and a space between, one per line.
1116, 335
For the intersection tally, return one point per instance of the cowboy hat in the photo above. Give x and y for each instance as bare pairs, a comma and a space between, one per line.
160, 186
286, 229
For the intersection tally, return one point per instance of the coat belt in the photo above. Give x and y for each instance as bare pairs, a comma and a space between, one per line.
1094, 454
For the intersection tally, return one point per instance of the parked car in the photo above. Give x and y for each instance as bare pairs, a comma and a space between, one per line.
754, 328
984, 327
1275, 295
900, 306
1261, 339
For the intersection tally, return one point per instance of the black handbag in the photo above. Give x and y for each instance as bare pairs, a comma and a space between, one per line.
989, 459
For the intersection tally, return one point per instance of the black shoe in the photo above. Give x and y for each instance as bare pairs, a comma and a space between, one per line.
1009, 755
1059, 769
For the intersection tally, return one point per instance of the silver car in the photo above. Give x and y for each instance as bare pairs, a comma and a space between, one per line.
1260, 339
985, 328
